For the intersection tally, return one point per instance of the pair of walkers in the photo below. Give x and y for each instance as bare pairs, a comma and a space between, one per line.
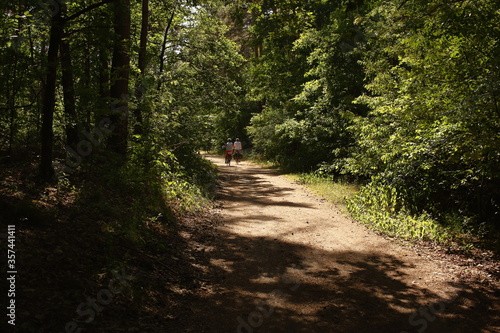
232, 149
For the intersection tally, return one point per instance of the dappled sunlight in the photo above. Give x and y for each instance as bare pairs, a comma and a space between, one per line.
222, 264
305, 293
296, 268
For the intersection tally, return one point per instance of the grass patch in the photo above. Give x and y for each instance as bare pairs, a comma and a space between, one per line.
335, 191
382, 208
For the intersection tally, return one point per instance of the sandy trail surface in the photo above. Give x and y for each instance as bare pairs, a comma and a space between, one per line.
283, 260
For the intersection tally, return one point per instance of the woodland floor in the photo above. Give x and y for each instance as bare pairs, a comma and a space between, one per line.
270, 258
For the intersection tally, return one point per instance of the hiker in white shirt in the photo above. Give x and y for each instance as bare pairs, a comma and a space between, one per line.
237, 146
229, 147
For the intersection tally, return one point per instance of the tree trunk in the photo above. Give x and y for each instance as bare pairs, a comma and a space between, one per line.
69, 94
10, 92
120, 69
164, 46
104, 81
139, 91
104, 72
49, 98
12, 89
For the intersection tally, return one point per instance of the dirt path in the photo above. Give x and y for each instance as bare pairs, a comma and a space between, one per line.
286, 261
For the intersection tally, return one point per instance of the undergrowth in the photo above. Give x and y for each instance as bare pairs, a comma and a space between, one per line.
104, 217
383, 209
380, 208
147, 190
162, 188
335, 191
259, 159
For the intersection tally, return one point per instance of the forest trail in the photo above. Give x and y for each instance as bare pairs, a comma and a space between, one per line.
286, 261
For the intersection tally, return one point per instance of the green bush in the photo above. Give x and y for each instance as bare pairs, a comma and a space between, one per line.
381, 208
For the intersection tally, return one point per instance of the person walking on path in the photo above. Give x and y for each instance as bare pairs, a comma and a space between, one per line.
237, 146
237, 151
229, 150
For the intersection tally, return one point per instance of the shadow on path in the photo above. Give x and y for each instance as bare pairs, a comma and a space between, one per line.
262, 284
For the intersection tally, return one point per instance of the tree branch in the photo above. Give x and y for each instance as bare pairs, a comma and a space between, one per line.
88, 9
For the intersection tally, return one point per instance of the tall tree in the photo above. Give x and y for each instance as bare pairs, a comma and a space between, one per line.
57, 23
164, 47
120, 71
49, 94
142, 63
69, 93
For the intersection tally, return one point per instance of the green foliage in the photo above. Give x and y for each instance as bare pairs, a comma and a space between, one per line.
433, 130
308, 103
381, 208
201, 97
184, 179
325, 185
182, 110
